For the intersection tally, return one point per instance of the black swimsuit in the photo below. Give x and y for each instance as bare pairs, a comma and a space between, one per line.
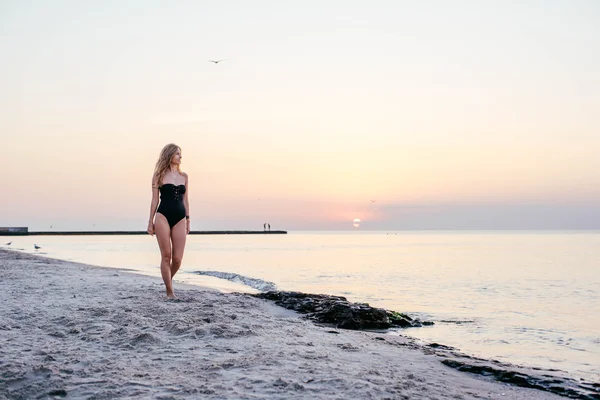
171, 203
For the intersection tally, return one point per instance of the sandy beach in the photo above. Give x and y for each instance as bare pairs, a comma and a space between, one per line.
71, 330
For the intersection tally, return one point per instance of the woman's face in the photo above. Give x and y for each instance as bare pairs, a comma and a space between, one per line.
176, 159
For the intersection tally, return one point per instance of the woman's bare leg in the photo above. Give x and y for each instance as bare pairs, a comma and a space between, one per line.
178, 237
163, 236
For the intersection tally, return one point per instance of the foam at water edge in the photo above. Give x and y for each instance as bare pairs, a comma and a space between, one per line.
255, 283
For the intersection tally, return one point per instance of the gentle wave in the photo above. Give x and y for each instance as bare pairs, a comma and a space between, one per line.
258, 284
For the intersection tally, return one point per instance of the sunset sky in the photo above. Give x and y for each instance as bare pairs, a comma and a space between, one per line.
405, 114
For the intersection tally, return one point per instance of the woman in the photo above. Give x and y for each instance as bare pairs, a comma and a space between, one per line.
171, 221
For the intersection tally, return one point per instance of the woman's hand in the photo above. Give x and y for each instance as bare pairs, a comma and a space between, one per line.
187, 226
150, 229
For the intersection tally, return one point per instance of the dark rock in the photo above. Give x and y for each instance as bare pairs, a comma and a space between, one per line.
348, 316
440, 346
519, 376
337, 310
399, 319
58, 392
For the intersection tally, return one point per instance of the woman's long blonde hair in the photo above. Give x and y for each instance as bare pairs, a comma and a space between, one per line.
164, 162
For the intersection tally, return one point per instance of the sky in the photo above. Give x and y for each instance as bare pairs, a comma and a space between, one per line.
406, 115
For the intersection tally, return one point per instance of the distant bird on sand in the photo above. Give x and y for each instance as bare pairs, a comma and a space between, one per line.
8, 244
216, 61
36, 246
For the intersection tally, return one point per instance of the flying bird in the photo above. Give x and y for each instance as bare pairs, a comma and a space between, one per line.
373, 206
36, 246
216, 61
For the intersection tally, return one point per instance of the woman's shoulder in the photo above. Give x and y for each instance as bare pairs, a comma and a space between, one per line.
184, 175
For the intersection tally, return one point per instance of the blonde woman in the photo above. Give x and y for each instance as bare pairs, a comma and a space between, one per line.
171, 221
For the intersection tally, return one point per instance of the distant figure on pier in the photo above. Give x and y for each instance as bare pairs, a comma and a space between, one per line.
265, 226
269, 225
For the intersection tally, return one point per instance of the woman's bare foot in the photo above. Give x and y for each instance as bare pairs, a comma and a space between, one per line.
171, 295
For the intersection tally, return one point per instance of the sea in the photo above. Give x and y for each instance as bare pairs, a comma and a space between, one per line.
529, 298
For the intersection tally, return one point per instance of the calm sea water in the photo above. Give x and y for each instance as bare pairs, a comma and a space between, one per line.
530, 298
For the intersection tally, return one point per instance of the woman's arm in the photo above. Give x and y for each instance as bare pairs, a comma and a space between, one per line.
186, 203
153, 204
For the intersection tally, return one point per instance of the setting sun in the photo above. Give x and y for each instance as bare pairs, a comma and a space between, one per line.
356, 222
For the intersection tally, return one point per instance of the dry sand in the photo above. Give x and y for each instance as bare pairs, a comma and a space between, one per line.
75, 331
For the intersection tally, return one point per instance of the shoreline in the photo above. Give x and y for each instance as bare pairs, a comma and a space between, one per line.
84, 331
128, 233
